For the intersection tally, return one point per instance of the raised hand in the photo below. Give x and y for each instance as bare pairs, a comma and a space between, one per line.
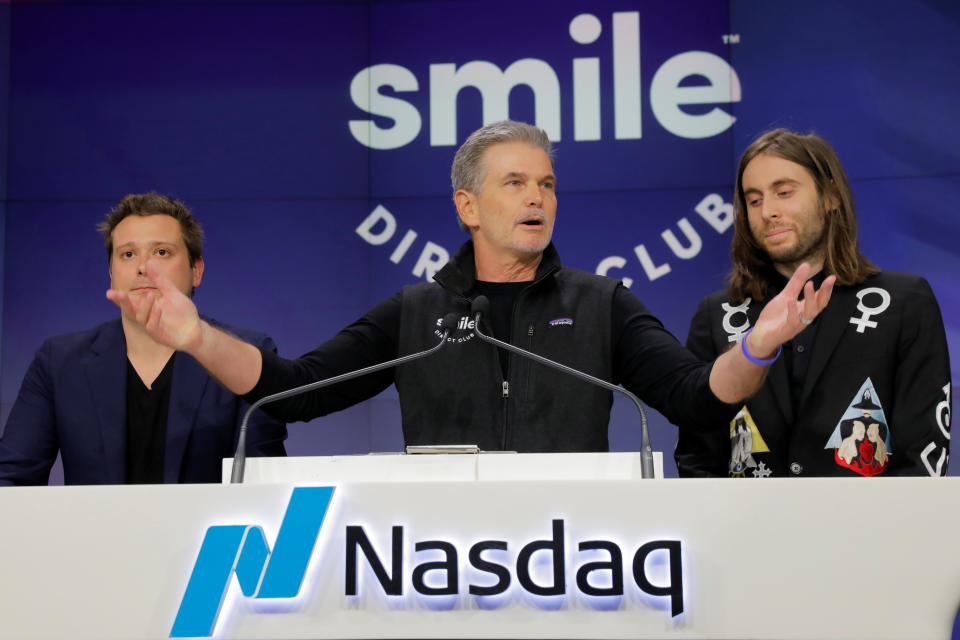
168, 316
785, 315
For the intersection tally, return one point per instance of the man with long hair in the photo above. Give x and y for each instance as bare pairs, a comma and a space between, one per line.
880, 338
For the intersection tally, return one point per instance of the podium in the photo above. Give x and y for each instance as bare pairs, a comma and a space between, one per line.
462, 467
421, 554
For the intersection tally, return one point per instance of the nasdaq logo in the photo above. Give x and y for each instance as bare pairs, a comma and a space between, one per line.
657, 568
243, 550
956, 627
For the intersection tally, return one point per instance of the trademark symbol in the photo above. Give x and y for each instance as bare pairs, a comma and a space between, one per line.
731, 38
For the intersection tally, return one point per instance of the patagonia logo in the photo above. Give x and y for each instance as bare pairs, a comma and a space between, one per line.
561, 322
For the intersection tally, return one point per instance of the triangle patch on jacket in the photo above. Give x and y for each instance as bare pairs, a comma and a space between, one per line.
745, 440
861, 439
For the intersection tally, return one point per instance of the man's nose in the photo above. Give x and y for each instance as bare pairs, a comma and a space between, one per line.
771, 210
142, 266
535, 196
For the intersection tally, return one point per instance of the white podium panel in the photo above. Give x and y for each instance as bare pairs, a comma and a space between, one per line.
464, 467
771, 558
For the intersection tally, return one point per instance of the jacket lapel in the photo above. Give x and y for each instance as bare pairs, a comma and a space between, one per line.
106, 378
834, 320
777, 378
780, 385
186, 391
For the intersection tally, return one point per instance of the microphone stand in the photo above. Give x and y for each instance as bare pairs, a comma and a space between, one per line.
646, 453
240, 457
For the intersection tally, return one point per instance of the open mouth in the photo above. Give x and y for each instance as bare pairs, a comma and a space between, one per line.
532, 220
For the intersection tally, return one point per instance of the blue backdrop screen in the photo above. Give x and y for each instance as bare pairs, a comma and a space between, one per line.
312, 138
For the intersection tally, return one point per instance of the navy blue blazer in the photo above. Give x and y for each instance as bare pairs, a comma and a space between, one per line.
74, 400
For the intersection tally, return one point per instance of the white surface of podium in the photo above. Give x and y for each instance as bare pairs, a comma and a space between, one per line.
762, 558
461, 467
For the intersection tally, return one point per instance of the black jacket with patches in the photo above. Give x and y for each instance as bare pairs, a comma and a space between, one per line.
902, 350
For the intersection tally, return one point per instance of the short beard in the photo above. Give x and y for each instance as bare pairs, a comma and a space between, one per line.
531, 249
801, 253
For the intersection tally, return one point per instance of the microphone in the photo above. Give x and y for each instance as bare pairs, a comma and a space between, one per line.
448, 324
481, 307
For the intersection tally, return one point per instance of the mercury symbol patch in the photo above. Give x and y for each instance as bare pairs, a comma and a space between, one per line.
735, 332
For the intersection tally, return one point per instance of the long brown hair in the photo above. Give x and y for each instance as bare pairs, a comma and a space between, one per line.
752, 266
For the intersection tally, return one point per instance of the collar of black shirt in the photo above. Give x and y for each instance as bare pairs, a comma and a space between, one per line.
778, 281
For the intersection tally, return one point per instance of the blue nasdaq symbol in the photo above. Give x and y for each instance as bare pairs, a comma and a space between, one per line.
956, 627
243, 550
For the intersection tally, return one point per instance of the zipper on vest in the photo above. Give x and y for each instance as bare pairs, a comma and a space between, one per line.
506, 412
516, 339
529, 337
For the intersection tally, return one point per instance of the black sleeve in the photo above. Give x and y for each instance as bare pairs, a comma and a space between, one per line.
370, 340
651, 363
703, 445
921, 408
265, 435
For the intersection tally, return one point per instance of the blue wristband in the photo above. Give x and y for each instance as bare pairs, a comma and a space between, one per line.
757, 361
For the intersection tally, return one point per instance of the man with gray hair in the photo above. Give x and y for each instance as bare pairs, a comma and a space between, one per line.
505, 196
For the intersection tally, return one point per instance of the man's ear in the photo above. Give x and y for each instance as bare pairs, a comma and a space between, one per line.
466, 207
831, 197
197, 272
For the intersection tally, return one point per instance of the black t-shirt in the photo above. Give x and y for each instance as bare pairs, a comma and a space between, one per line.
502, 296
147, 425
796, 352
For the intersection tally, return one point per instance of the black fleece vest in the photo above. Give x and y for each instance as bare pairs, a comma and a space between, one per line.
458, 396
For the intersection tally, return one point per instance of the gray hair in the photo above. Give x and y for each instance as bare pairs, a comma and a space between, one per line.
468, 171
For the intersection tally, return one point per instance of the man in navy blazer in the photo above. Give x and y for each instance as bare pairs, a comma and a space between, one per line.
118, 406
